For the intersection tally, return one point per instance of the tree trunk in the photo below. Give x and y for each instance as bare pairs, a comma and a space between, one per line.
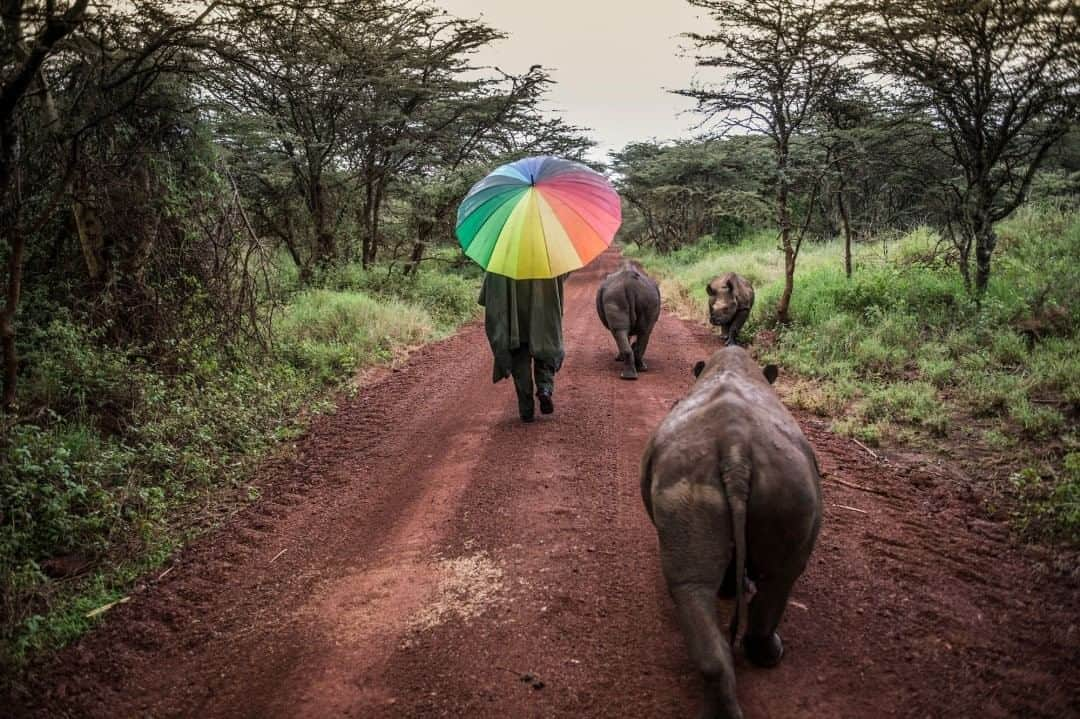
845, 220
784, 220
373, 227
783, 315
15, 86
365, 222
985, 240
326, 252
16, 244
423, 232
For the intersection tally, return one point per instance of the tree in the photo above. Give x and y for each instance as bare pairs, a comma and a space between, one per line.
1000, 79
777, 60
682, 191
331, 108
31, 34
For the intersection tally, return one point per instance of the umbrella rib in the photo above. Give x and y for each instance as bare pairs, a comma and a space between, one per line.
543, 230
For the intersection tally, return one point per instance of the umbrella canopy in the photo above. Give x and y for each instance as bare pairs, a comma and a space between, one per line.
538, 217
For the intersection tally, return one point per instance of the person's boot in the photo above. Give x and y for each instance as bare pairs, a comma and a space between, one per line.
546, 405
526, 409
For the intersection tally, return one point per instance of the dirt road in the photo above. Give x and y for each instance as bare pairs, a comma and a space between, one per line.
425, 551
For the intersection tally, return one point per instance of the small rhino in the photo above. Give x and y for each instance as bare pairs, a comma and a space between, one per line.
628, 302
731, 297
733, 489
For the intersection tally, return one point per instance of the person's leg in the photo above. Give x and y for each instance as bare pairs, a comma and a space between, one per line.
545, 385
521, 368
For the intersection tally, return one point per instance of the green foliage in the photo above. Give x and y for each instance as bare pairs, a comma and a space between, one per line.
678, 193
449, 297
98, 477
1053, 499
325, 333
902, 347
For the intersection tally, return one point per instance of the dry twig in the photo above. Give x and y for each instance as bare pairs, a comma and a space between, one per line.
106, 607
852, 485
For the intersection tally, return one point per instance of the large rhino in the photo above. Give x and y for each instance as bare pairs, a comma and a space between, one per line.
732, 486
628, 302
731, 297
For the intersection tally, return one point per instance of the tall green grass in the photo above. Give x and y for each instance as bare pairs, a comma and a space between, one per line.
902, 350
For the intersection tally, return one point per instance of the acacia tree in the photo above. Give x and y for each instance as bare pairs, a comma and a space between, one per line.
1001, 79
329, 107
777, 60
684, 190
287, 78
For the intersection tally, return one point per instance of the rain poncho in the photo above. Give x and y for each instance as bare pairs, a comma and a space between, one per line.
523, 312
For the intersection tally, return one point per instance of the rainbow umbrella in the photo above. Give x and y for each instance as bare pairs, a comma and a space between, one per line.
538, 217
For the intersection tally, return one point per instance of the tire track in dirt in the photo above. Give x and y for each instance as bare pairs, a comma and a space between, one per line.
436, 549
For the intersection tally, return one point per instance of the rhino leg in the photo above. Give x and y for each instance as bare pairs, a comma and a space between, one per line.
640, 345
732, 330
626, 354
695, 550
709, 648
761, 642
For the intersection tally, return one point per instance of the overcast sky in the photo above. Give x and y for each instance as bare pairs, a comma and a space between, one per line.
612, 60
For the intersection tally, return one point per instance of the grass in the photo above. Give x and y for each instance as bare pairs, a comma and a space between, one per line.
118, 466
902, 350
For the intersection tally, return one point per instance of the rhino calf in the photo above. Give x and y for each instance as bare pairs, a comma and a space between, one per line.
732, 486
731, 297
628, 302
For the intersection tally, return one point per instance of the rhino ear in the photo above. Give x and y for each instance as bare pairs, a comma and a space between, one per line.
709, 289
771, 372
700, 365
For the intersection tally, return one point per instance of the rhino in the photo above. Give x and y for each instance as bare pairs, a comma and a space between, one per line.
628, 302
733, 489
731, 297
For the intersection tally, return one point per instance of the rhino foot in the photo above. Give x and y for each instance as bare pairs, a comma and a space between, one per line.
640, 366
765, 652
629, 374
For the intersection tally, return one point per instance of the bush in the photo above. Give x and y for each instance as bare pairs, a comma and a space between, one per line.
327, 333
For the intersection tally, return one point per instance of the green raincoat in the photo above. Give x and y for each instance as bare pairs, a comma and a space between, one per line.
523, 312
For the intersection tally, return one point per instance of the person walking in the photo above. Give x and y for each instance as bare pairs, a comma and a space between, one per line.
523, 321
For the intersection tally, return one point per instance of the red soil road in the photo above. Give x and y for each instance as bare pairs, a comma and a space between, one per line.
424, 549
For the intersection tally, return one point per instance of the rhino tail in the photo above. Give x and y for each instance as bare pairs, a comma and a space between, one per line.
631, 308
735, 476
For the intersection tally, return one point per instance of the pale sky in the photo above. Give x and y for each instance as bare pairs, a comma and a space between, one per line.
611, 59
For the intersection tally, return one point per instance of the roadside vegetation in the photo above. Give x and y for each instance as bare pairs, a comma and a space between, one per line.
125, 460
901, 353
